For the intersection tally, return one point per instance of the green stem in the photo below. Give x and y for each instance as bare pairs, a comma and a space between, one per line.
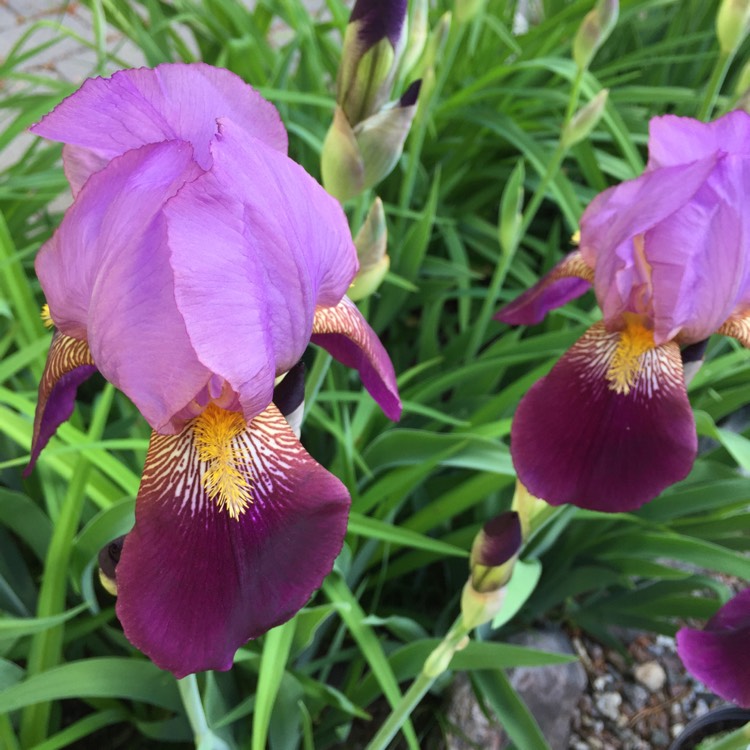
8, 738
737, 740
204, 738
435, 665
721, 66
46, 646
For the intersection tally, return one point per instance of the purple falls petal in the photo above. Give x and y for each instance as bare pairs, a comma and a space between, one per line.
108, 116
346, 335
676, 140
719, 655
194, 584
69, 363
577, 440
569, 279
107, 278
279, 246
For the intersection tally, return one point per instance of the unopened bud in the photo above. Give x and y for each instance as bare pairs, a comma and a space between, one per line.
371, 243
372, 43
436, 41
494, 552
109, 556
585, 120
381, 137
594, 30
732, 24
416, 37
532, 511
467, 10
341, 165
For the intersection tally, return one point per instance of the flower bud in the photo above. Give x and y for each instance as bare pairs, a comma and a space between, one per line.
467, 10
493, 555
109, 556
732, 24
494, 552
369, 59
596, 26
532, 511
416, 38
381, 137
585, 120
371, 242
356, 159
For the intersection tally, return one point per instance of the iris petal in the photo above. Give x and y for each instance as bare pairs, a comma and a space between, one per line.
196, 583
344, 333
607, 428
107, 117
737, 326
279, 245
718, 655
69, 363
569, 279
120, 297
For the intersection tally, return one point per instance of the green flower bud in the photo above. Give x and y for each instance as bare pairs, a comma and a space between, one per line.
416, 39
372, 43
341, 165
594, 30
468, 10
371, 242
585, 120
732, 24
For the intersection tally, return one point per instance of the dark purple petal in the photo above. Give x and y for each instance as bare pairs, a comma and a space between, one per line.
719, 655
680, 140
195, 583
279, 245
498, 541
346, 335
69, 363
107, 278
569, 279
379, 19
609, 428
108, 116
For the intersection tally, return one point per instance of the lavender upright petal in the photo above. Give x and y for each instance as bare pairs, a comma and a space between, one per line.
280, 246
108, 116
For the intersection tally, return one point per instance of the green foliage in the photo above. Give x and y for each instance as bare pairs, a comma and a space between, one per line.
483, 201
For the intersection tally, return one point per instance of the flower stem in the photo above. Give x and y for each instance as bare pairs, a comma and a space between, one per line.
46, 647
435, 664
737, 740
721, 66
205, 739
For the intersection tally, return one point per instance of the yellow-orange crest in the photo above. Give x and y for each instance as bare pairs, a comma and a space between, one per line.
215, 431
46, 316
627, 360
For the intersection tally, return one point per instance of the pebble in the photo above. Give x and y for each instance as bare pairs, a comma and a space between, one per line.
651, 674
677, 729
609, 705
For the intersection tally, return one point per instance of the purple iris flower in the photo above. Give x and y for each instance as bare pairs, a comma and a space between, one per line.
719, 655
192, 270
668, 255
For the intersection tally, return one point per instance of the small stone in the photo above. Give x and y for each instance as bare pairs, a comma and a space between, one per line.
651, 674
609, 705
636, 695
602, 682
677, 729
701, 707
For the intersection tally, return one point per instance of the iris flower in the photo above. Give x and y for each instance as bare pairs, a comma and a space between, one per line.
192, 270
719, 655
668, 256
